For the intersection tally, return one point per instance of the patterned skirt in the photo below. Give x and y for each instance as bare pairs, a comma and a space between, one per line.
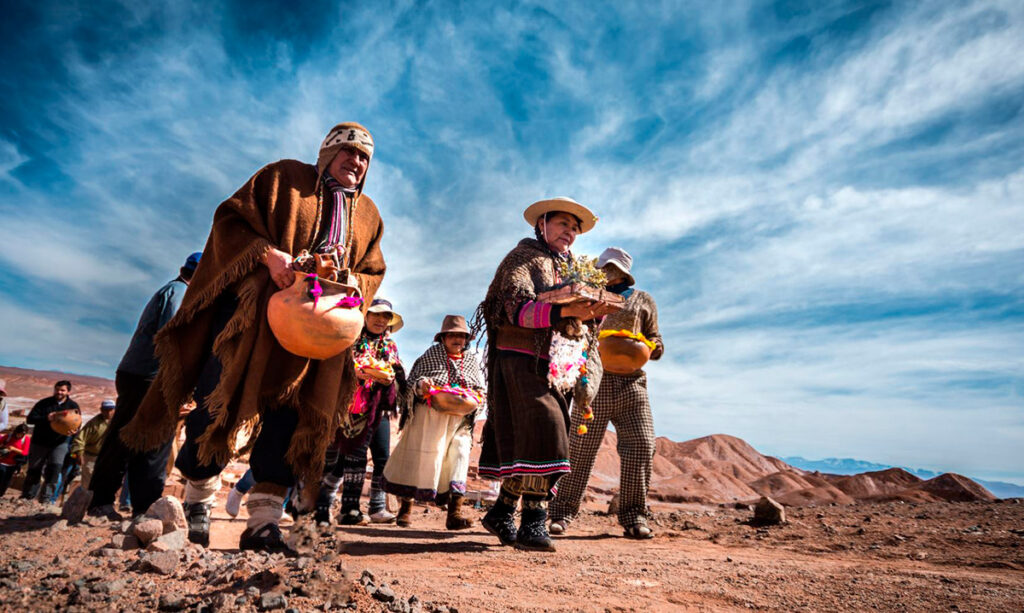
527, 429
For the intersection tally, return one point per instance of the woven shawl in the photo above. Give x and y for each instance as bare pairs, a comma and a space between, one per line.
526, 271
435, 365
280, 206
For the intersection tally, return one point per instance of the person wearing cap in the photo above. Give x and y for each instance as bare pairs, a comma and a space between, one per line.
431, 460
526, 436
220, 349
368, 426
146, 470
623, 401
88, 441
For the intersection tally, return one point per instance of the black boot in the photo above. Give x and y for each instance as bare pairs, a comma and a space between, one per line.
267, 538
500, 521
198, 516
324, 502
533, 530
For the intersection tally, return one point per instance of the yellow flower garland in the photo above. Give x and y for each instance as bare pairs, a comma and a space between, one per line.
638, 336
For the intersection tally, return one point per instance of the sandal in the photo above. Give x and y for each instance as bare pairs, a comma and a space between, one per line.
639, 531
558, 526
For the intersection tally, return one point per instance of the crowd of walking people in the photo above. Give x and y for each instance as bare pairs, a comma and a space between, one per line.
206, 359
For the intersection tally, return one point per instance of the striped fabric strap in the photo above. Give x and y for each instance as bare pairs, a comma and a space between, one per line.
535, 314
336, 230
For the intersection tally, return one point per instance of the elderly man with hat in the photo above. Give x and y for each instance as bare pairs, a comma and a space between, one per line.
431, 461
220, 350
88, 441
368, 426
622, 400
134, 375
526, 437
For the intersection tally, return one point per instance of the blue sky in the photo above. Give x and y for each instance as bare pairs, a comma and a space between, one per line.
825, 198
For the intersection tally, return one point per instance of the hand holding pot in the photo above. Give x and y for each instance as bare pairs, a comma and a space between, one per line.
279, 264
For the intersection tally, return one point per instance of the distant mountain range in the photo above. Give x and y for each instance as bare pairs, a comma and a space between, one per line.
851, 466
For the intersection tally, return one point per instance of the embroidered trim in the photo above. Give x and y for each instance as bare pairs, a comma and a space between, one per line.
522, 467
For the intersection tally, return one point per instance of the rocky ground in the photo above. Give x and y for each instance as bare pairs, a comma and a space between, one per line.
891, 556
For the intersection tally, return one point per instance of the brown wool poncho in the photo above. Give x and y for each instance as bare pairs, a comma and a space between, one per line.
280, 206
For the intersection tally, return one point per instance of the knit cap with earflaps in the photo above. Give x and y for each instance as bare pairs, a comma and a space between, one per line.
347, 134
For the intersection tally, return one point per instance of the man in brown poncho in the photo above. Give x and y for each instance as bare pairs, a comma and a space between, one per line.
219, 347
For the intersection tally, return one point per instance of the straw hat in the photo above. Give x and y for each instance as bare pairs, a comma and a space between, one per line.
453, 323
561, 205
380, 305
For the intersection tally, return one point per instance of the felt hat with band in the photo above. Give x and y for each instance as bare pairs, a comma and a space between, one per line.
380, 305
618, 258
453, 323
561, 205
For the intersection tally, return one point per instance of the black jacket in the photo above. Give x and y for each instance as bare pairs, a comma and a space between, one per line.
43, 434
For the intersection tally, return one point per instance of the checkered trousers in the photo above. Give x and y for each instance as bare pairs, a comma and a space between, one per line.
621, 400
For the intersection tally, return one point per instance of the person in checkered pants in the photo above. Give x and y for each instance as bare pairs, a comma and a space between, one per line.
622, 400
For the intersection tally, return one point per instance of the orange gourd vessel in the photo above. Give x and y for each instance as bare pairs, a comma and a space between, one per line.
623, 356
314, 326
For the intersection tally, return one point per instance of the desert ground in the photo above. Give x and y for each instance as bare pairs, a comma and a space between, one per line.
885, 541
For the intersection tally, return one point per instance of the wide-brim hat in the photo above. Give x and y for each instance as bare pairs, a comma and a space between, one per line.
561, 205
380, 305
453, 323
618, 258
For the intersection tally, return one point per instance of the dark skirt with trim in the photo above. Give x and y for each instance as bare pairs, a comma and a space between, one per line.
527, 429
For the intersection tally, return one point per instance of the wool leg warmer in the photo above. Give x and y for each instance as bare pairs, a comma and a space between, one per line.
264, 509
202, 490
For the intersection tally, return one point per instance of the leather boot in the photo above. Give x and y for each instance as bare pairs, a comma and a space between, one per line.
404, 518
455, 519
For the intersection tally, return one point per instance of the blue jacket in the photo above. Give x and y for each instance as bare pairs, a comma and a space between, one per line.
140, 358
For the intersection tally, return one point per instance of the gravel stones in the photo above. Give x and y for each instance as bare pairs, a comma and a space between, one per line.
76, 505
148, 530
169, 511
384, 594
172, 541
124, 541
164, 562
767, 512
271, 601
169, 602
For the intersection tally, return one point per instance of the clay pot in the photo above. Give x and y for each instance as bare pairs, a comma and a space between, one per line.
623, 356
317, 331
453, 404
66, 422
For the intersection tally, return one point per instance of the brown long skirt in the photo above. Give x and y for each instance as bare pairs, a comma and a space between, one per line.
527, 429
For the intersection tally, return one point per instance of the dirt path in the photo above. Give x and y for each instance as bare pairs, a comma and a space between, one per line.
936, 557
597, 570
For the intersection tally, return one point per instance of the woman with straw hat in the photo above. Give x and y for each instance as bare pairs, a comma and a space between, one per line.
368, 426
431, 461
526, 437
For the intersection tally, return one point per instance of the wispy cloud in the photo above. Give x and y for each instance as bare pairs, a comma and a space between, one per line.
826, 204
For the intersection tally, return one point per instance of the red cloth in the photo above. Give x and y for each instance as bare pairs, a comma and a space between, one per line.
7, 440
